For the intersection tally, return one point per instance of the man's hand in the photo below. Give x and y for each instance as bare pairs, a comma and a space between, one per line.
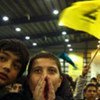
44, 90
51, 93
38, 93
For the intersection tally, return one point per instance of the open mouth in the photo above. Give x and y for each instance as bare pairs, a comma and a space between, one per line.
3, 76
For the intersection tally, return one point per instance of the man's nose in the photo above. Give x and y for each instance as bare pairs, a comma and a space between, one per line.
45, 74
92, 92
7, 66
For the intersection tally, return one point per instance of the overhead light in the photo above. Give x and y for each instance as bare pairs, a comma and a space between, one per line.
70, 49
34, 44
98, 46
64, 33
27, 37
55, 12
99, 41
18, 29
5, 18
66, 40
68, 45
60, 24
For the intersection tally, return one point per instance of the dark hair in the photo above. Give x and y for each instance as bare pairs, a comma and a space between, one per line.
18, 48
44, 55
89, 85
93, 79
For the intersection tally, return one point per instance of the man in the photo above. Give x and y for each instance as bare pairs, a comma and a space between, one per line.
14, 57
80, 83
15, 88
98, 92
98, 78
44, 81
90, 92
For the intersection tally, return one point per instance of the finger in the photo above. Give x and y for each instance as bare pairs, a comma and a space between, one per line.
38, 93
41, 90
51, 92
40, 83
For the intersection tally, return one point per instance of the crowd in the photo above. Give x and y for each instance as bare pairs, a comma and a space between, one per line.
44, 81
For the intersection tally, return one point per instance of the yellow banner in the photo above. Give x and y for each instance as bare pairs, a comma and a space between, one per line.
82, 16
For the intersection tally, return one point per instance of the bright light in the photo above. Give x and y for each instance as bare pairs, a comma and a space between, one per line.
27, 37
60, 23
64, 33
66, 40
5, 18
70, 49
34, 44
55, 12
61, 60
68, 45
18, 29
99, 41
98, 46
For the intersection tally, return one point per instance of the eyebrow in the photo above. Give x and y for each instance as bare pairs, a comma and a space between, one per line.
52, 67
34, 67
7, 54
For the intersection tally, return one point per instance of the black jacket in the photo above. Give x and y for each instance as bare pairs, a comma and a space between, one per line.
63, 93
3, 92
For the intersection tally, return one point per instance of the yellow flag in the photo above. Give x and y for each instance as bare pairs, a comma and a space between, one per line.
83, 16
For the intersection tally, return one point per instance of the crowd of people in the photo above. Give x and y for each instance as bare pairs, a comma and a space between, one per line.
45, 79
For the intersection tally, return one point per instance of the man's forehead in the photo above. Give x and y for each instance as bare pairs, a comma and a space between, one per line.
91, 87
10, 53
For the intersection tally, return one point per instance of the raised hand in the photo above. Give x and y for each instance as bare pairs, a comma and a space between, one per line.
38, 92
51, 92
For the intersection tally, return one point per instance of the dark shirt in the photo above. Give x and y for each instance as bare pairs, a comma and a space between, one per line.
63, 93
25, 95
3, 92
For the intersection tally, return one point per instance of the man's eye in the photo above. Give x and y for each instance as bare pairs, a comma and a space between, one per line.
52, 71
38, 71
3, 58
17, 66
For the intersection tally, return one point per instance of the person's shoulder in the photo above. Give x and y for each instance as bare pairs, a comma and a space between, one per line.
64, 91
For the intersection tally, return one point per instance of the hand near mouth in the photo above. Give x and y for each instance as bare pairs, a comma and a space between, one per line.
38, 92
44, 90
49, 93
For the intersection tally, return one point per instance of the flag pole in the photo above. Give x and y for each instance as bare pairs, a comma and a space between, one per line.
94, 56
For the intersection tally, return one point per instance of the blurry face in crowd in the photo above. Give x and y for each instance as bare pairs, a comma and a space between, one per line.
85, 69
91, 93
44, 68
98, 78
93, 81
9, 67
17, 87
98, 91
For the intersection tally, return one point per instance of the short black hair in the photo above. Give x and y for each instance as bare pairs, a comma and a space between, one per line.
44, 55
89, 85
93, 79
18, 48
